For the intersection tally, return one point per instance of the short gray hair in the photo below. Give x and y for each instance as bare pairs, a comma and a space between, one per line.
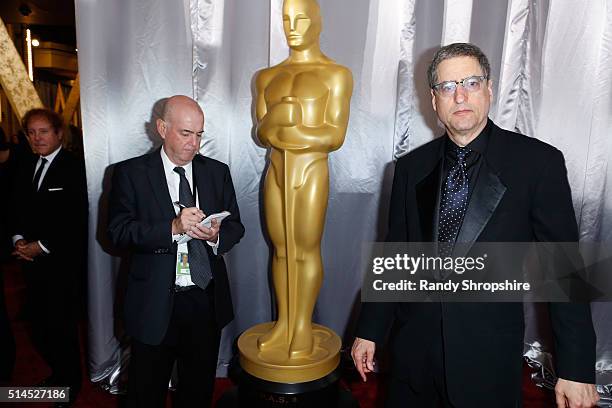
457, 50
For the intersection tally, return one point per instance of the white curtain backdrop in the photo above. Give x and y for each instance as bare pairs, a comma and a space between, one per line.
551, 63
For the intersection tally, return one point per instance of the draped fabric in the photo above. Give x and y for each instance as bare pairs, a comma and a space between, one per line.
551, 64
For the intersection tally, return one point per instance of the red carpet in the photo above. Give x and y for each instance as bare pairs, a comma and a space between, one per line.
30, 369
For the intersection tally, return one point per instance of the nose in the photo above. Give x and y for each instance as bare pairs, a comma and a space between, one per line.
292, 24
460, 95
193, 140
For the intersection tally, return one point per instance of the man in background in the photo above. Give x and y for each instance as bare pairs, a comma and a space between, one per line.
7, 340
49, 232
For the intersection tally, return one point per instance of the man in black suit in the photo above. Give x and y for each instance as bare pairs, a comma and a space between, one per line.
49, 227
476, 183
7, 340
174, 310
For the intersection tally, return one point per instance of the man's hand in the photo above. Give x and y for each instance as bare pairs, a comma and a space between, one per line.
363, 356
208, 234
185, 221
572, 394
27, 251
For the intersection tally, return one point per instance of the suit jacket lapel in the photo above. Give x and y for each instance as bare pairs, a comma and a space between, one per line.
159, 185
202, 183
30, 170
486, 196
427, 196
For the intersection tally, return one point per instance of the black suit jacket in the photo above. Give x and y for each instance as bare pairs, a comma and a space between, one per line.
521, 194
56, 216
140, 220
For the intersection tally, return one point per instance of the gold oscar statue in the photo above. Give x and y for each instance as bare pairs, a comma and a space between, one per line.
302, 114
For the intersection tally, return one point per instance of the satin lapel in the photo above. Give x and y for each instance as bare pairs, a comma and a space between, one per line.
202, 182
427, 203
159, 185
487, 194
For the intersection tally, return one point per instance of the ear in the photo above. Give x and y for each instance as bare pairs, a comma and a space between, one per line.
161, 128
490, 88
433, 100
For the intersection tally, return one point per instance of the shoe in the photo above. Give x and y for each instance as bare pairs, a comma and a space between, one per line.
66, 404
47, 382
50, 382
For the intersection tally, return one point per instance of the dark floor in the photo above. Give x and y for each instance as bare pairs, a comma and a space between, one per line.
30, 368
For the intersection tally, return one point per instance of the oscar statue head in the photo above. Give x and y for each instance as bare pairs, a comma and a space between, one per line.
302, 23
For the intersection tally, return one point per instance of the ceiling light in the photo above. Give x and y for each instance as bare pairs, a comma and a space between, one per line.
29, 54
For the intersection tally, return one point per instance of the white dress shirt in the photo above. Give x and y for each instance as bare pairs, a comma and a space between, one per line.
173, 180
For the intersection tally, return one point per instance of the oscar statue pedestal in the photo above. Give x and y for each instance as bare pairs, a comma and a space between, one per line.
275, 365
270, 378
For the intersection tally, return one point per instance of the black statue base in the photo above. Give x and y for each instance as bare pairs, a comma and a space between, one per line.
254, 392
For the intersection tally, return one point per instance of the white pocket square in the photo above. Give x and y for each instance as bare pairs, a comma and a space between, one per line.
56, 189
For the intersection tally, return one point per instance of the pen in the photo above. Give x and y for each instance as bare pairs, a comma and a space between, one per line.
179, 205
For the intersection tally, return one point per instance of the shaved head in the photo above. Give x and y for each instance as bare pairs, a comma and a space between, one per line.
179, 103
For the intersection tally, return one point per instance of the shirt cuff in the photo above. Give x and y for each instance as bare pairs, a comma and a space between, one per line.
17, 238
45, 250
214, 245
176, 237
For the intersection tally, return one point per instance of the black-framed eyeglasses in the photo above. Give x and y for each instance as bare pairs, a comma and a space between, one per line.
470, 84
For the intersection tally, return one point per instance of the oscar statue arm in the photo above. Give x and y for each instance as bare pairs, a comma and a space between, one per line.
273, 118
282, 127
330, 135
265, 129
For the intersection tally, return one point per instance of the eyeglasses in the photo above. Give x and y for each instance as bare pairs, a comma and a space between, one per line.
470, 84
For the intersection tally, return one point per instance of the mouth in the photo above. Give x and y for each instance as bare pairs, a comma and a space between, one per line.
462, 112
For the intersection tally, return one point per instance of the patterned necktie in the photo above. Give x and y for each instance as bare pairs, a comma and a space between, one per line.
38, 174
453, 203
198, 257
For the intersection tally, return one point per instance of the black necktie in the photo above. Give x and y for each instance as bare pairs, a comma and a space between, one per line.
453, 203
38, 174
199, 264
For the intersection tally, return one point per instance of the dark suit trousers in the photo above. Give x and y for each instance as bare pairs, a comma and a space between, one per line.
192, 340
7, 341
53, 314
432, 393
